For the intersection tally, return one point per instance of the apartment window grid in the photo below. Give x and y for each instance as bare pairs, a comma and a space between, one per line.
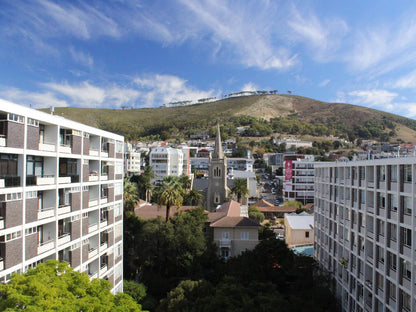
44, 229
383, 233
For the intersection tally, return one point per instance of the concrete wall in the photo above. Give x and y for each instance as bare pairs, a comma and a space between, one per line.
31, 210
31, 248
13, 213
15, 135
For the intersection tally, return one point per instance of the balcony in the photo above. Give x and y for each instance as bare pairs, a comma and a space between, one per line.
92, 252
104, 177
3, 141
93, 202
10, 181
1, 264
103, 246
1, 223
94, 152
103, 200
2, 184
65, 149
45, 246
64, 238
46, 213
64, 180
47, 147
93, 275
104, 154
65, 208
92, 227
93, 177
103, 269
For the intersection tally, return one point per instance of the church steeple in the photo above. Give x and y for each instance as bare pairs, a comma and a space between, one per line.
218, 153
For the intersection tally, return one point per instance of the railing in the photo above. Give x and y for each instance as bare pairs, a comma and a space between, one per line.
1, 264
104, 245
93, 275
1, 223
47, 147
92, 252
93, 202
92, 227
64, 238
103, 222
94, 152
103, 269
46, 213
11, 181
65, 149
65, 208
62, 180
103, 200
45, 246
2, 140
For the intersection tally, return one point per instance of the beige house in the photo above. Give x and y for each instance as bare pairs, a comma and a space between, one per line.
233, 231
299, 229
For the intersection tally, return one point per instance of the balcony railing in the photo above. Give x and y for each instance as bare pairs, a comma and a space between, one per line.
92, 227
103, 269
65, 149
93, 202
47, 147
45, 246
2, 140
10, 181
65, 208
64, 238
62, 180
1, 223
46, 213
92, 252
103, 245
93, 275
94, 152
1, 264
225, 242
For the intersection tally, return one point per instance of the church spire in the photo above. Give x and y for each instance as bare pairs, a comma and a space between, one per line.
218, 153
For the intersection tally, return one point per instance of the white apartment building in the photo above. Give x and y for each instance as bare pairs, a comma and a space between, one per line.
132, 160
365, 233
299, 180
61, 195
166, 161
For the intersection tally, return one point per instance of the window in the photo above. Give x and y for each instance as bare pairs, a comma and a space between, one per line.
31, 194
117, 210
16, 118
380, 227
393, 173
391, 290
244, 235
407, 173
406, 300
118, 250
31, 230
32, 122
392, 261
392, 228
406, 269
8, 165
118, 189
225, 253
225, 235
406, 237
407, 205
307, 234
393, 202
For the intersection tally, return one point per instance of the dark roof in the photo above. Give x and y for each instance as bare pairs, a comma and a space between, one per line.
235, 222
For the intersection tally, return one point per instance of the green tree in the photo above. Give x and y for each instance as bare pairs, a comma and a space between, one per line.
255, 213
55, 286
292, 203
130, 196
170, 193
144, 184
193, 197
239, 188
135, 290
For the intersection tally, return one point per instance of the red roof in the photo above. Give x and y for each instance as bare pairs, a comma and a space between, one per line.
229, 215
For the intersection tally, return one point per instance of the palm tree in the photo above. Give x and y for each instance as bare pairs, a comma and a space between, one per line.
170, 193
240, 188
130, 194
193, 196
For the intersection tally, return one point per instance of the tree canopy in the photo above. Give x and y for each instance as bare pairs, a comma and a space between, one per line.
55, 286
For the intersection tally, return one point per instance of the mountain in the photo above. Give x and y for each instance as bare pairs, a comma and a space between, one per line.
337, 119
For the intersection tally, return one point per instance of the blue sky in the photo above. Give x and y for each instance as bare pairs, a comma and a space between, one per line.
108, 54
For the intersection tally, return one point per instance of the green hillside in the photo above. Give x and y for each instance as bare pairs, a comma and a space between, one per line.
266, 114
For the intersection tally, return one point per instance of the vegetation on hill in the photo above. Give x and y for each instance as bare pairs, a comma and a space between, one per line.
262, 115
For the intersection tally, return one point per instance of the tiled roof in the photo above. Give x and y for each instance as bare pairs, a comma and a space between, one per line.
153, 211
235, 222
229, 215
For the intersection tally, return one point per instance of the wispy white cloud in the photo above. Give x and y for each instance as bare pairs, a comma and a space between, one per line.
80, 57
249, 86
162, 89
383, 48
323, 35
324, 83
32, 99
405, 82
373, 98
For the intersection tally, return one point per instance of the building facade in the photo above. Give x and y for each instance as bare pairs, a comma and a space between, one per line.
132, 160
61, 195
299, 181
166, 161
365, 232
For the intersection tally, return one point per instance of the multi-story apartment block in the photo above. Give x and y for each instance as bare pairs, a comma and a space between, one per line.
241, 164
132, 160
299, 180
166, 161
61, 194
365, 233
